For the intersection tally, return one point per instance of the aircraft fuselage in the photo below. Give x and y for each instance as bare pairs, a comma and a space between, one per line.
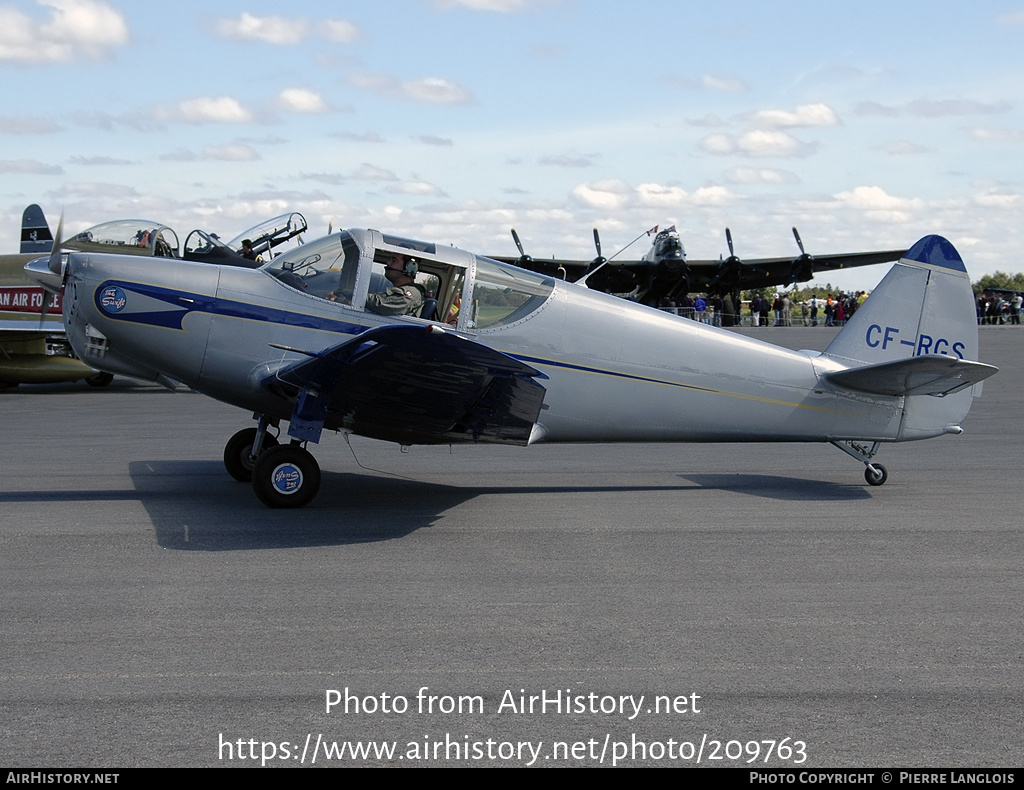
617, 371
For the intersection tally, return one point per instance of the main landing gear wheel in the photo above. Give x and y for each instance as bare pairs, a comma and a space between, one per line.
286, 476
238, 452
875, 474
99, 379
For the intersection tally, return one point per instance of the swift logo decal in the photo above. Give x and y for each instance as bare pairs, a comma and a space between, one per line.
112, 299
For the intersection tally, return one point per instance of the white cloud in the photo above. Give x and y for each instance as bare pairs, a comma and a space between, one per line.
712, 196
564, 160
231, 153
9, 125
725, 84
804, 115
997, 135
760, 175
101, 161
757, 143
498, 6
880, 205
436, 91
301, 100
76, 29
222, 109
368, 172
615, 194
339, 30
29, 167
658, 195
267, 29
607, 195
283, 32
720, 144
760, 142
433, 90
1001, 200
422, 188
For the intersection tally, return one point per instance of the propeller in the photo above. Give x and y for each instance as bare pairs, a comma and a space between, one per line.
803, 268
729, 269
600, 260
523, 257
54, 265
54, 262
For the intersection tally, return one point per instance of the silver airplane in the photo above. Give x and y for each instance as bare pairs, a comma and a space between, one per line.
499, 354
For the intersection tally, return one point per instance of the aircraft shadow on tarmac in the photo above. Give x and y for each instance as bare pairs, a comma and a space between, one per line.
786, 489
196, 507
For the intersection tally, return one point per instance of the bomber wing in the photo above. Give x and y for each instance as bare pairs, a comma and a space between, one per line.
747, 274
661, 278
412, 385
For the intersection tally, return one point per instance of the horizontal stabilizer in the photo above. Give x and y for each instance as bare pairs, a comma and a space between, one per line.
931, 374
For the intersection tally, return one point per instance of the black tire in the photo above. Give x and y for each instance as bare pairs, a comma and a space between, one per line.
286, 476
99, 379
876, 474
237, 451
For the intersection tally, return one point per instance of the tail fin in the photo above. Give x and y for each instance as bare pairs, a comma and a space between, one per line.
35, 233
924, 305
917, 335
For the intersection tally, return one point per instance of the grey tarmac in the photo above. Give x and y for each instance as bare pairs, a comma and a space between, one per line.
154, 610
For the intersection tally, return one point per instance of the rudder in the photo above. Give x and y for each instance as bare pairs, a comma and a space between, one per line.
35, 232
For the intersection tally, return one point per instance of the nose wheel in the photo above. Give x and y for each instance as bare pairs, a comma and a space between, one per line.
286, 476
239, 458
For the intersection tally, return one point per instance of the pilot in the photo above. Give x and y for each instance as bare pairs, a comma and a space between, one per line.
247, 251
404, 297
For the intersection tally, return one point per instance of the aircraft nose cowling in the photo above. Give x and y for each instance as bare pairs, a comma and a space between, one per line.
123, 315
39, 271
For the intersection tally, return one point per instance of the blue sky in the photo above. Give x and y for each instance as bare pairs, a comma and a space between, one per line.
865, 124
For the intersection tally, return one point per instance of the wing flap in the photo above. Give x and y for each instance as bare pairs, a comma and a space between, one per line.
925, 375
412, 385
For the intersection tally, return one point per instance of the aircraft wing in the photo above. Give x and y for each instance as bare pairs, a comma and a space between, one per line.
707, 275
415, 385
754, 273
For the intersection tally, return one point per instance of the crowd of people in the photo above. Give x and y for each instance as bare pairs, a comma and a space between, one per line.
999, 308
994, 308
828, 310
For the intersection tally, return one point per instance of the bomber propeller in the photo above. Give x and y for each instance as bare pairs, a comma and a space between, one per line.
803, 267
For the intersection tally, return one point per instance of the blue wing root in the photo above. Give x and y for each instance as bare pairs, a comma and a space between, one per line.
412, 385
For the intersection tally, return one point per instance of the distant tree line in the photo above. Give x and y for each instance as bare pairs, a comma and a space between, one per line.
1009, 282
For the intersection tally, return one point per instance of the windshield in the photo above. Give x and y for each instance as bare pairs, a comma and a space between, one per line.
325, 268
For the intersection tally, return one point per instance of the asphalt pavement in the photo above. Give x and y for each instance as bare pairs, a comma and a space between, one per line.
742, 605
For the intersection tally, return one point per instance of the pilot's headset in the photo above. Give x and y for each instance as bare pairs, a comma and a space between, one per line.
411, 267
